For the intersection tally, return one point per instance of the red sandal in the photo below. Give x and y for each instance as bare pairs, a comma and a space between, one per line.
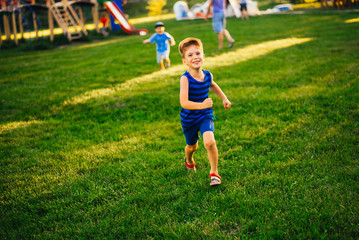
215, 179
190, 167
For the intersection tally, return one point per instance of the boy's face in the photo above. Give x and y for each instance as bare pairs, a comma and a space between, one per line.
193, 57
160, 30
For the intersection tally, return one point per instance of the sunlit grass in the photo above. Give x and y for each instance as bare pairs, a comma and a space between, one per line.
223, 60
353, 20
152, 18
16, 125
303, 91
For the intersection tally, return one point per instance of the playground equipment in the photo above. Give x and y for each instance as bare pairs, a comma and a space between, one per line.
67, 14
119, 20
71, 21
10, 8
67, 18
182, 11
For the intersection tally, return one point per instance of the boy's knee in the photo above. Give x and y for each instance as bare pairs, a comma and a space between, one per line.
210, 144
192, 148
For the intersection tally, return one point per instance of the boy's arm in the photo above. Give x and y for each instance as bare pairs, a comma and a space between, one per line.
217, 90
173, 42
189, 105
171, 39
208, 9
152, 39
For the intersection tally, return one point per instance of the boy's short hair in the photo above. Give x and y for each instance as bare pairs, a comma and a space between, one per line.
159, 24
186, 43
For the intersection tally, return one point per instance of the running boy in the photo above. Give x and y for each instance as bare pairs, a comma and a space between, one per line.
163, 49
196, 112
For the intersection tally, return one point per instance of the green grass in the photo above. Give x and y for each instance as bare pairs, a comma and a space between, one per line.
111, 166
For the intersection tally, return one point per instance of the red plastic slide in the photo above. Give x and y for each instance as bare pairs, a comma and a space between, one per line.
120, 17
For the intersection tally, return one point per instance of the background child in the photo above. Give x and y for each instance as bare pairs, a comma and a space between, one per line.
196, 112
104, 20
162, 39
244, 12
219, 22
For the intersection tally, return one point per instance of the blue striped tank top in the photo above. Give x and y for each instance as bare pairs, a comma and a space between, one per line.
197, 92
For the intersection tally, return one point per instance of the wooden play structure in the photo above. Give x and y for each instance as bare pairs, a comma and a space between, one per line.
67, 14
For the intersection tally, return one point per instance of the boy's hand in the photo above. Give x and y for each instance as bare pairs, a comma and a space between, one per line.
227, 104
207, 103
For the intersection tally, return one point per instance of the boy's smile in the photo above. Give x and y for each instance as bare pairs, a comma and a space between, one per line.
194, 57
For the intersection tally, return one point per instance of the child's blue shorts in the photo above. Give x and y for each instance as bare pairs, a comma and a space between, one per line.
219, 21
191, 133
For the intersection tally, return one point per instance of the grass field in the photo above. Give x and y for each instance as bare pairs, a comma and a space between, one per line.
91, 145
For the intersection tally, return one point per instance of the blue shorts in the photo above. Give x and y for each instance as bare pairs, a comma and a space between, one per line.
219, 22
191, 133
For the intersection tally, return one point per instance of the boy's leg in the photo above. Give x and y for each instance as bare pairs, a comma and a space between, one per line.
167, 63
211, 147
228, 36
166, 57
220, 40
189, 150
160, 60
246, 14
